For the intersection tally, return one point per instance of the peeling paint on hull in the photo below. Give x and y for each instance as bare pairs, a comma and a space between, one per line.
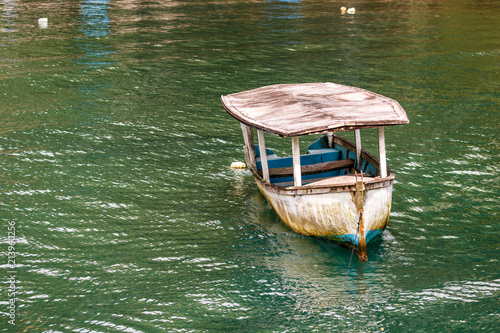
333, 214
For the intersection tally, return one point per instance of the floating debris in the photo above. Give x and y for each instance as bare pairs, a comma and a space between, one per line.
43, 23
238, 165
344, 10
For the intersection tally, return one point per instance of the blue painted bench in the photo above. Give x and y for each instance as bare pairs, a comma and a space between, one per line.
316, 164
321, 145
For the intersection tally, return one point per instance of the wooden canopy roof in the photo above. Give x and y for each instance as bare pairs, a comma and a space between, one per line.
311, 108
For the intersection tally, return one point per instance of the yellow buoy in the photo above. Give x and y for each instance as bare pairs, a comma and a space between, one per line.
343, 10
238, 165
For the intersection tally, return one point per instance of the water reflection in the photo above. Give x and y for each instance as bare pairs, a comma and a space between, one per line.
283, 9
7, 14
94, 18
94, 23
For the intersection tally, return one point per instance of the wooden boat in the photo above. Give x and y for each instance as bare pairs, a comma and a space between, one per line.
336, 189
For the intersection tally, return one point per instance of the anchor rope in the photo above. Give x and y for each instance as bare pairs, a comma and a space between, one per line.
357, 235
352, 252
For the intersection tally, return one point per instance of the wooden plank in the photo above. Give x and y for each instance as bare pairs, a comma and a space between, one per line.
358, 148
297, 172
263, 155
381, 152
248, 137
312, 168
346, 179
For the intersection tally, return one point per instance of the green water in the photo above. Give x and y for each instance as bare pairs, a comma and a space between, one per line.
115, 154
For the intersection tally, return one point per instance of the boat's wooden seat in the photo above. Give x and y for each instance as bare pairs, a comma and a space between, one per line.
275, 162
316, 164
311, 168
346, 179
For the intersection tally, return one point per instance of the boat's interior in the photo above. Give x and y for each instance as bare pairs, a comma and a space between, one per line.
321, 165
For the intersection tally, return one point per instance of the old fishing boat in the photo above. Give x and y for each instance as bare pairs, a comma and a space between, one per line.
335, 189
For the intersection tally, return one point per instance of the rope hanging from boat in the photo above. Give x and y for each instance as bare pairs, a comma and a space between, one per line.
352, 252
360, 209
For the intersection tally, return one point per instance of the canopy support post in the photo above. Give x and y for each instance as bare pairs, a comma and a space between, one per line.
381, 152
297, 174
263, 155
248, 137
357, 134
330, 139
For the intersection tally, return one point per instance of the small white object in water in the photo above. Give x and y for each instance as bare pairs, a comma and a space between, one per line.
238, 165
43, 23
351, 10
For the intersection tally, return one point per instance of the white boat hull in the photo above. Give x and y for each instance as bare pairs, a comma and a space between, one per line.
334, 214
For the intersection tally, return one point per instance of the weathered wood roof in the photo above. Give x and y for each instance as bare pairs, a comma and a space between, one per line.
311, 108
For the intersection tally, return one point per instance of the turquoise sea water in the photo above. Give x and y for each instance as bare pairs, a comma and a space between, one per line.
115, 155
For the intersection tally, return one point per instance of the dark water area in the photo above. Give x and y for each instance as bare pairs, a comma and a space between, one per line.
115, 173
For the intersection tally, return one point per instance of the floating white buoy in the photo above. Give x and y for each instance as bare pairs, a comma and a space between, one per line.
43, 23
238, 165
351, 10
343, 10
